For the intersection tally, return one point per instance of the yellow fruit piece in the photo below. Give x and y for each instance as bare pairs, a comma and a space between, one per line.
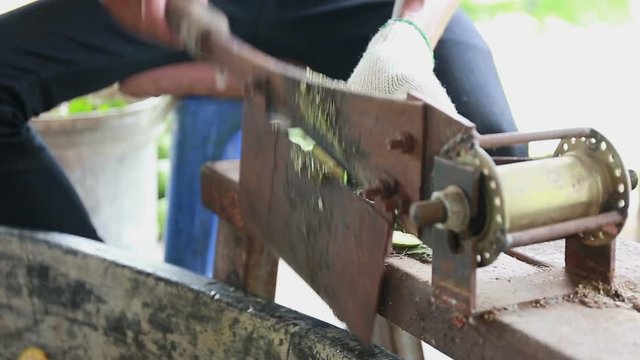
32, 353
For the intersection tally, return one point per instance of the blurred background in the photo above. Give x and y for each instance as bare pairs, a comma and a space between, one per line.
568, 63
563, 63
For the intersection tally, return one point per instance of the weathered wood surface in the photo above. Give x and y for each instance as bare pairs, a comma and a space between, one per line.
526, 315
244, 263
78, 299
546, 328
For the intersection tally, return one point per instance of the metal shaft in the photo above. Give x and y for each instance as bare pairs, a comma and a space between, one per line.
428, 212
514, 138
563, 229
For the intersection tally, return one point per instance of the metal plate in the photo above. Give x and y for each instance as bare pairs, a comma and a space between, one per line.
602, 151
333, 239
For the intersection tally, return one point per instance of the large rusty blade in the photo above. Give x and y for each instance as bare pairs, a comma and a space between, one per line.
332, 238
335, 240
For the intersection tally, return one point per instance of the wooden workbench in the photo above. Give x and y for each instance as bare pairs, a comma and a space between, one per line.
530, 308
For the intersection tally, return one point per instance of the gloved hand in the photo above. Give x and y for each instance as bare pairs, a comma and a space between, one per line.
397, 60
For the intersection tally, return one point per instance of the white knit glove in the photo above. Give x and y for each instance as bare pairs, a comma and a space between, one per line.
398, 60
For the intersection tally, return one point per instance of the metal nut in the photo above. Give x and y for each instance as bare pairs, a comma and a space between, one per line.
455, 201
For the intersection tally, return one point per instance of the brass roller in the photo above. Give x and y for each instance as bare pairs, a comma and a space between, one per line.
547, 191
583, 187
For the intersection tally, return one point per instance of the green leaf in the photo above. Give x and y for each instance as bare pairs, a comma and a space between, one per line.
300, 138
80, 105
421, 253
404, 240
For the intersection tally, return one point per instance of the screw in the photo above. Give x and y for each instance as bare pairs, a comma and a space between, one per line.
381, 189
402, 141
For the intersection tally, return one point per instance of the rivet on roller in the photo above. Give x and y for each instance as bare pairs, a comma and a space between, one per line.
621, 188
603, 146
496, 201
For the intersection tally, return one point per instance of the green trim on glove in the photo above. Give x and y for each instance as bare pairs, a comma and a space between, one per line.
415, 26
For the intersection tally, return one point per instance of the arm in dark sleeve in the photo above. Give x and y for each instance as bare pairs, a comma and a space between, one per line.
55, 50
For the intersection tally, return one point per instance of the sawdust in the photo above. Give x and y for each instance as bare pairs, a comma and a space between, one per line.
318, 110
305, 164
596, 294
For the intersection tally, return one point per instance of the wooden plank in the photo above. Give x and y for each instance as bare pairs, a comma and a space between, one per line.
240, 261
552, 255
244, 263
219, 184
79, 299
524, 330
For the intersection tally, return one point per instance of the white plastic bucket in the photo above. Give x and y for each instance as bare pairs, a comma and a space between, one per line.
111, 159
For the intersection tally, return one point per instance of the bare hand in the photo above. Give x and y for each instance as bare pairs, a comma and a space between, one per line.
183, 79
146, 18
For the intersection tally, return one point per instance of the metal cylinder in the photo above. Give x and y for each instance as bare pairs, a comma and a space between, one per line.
548, 191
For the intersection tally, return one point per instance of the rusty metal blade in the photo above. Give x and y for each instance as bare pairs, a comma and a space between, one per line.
333, 239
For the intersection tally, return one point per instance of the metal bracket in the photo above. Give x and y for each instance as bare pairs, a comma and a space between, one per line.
454, 256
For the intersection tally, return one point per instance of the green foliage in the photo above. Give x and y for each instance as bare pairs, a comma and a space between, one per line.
577, 12
163, 208
409, 245
404, 240
164, 176
164, 145
86, 104
164, 168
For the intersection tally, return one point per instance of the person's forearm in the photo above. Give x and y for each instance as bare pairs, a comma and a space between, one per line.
432, 15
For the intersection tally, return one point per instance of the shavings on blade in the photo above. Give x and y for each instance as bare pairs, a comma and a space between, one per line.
318, 163
318, 110
305, 164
